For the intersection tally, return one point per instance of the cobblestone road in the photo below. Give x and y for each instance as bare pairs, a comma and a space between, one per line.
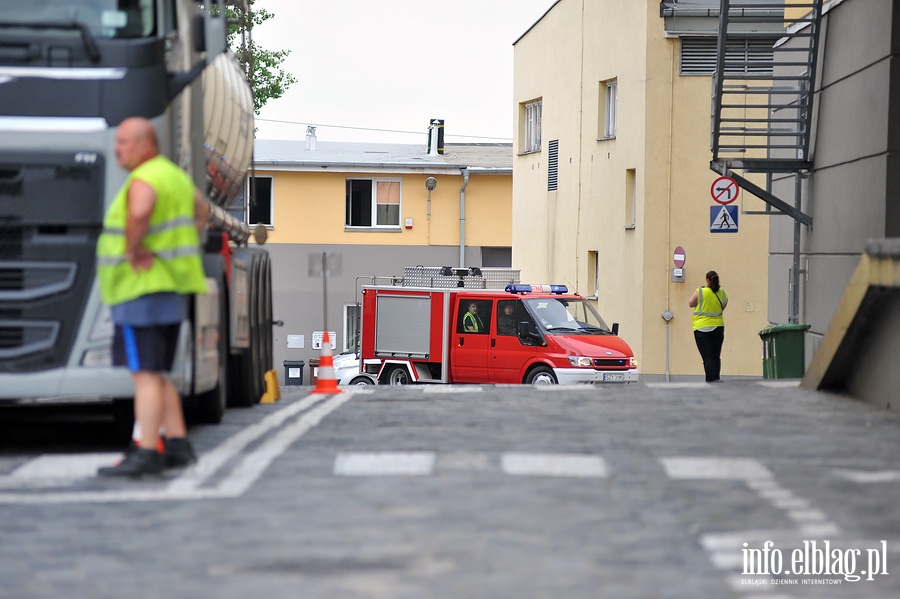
644, 491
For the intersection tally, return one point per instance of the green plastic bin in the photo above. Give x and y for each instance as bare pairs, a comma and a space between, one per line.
783, 355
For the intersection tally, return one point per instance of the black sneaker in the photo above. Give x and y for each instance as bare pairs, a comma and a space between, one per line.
178, 453
136, 464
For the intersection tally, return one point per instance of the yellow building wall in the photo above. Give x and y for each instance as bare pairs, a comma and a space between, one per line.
543, 228
308, 208
662, 134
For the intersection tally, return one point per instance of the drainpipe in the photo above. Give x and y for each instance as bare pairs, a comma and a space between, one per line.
462, 217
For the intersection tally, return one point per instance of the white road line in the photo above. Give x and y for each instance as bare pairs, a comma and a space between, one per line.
386, 463
235, 484
725, 550
209, 463
702, 385
715, 469
865, 477
451, 389
254, 464
554, 464
788, 383
54, 467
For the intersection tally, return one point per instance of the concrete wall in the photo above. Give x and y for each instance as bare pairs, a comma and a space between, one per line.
851, 194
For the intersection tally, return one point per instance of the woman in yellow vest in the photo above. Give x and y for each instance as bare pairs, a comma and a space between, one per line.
709, 303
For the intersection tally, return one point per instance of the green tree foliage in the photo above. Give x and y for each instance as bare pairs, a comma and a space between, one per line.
262, 67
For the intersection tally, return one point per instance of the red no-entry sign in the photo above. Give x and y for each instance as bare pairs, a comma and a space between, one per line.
724, 190
678, 257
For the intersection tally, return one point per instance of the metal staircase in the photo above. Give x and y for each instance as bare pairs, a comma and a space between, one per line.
763, 91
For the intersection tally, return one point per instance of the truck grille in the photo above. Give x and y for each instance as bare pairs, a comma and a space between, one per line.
20, 338
51, 213
29, 281
611, 362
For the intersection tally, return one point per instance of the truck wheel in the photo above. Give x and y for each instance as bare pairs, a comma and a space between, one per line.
541, 375
248, 368
267, 334
398, 375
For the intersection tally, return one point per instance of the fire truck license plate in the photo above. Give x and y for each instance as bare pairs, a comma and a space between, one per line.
616, 376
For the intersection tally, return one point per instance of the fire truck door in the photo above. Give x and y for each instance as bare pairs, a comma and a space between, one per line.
471, 341
509, 354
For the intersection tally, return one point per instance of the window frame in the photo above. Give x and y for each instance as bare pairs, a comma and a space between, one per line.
630, 198
593, 274
247, 204
532, 119
351, 327
609, 94
373, 206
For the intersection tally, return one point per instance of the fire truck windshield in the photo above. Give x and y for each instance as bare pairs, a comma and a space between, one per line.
103, 18
566, 315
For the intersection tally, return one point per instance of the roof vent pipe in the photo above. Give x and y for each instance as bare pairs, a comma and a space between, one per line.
432, 139
436, 137
311, 138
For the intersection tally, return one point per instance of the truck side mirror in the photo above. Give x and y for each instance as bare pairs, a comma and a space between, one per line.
615, 329
210, 34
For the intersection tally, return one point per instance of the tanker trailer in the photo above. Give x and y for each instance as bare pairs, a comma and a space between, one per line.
70, 72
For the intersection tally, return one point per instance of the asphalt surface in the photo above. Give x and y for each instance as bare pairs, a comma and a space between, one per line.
640, 491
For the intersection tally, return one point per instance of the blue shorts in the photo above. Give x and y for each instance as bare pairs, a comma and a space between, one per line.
145, 349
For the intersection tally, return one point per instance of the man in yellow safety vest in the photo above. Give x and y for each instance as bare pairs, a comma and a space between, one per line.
148, 265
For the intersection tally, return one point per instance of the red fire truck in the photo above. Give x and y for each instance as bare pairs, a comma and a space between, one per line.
531, 334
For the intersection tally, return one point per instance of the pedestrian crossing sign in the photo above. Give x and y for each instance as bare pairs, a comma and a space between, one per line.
723, 219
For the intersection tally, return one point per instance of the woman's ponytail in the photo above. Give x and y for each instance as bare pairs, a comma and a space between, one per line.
713, 278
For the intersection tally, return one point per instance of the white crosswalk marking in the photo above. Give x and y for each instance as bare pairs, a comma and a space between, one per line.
554, 464
388, 463
66, 466
715, 469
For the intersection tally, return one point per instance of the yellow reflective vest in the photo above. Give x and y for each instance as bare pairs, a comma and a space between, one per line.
709, 308
472, 320
172, 238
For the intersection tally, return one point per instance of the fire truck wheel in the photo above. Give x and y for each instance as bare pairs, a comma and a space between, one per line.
398, 375
541, 375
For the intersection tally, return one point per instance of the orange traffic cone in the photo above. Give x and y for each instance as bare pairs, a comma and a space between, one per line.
325, 381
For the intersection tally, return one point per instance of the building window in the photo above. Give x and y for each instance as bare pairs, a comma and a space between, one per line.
593, 274
373, 203
532, 115
351, 327
260, 206
552, 165
742, 56
608, 100
630, 199
496, 257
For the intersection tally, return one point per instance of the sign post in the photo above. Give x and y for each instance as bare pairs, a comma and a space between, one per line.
324, 265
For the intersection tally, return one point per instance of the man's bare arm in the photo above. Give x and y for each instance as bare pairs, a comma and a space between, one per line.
141, 200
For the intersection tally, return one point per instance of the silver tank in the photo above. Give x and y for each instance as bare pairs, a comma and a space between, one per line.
227, 127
